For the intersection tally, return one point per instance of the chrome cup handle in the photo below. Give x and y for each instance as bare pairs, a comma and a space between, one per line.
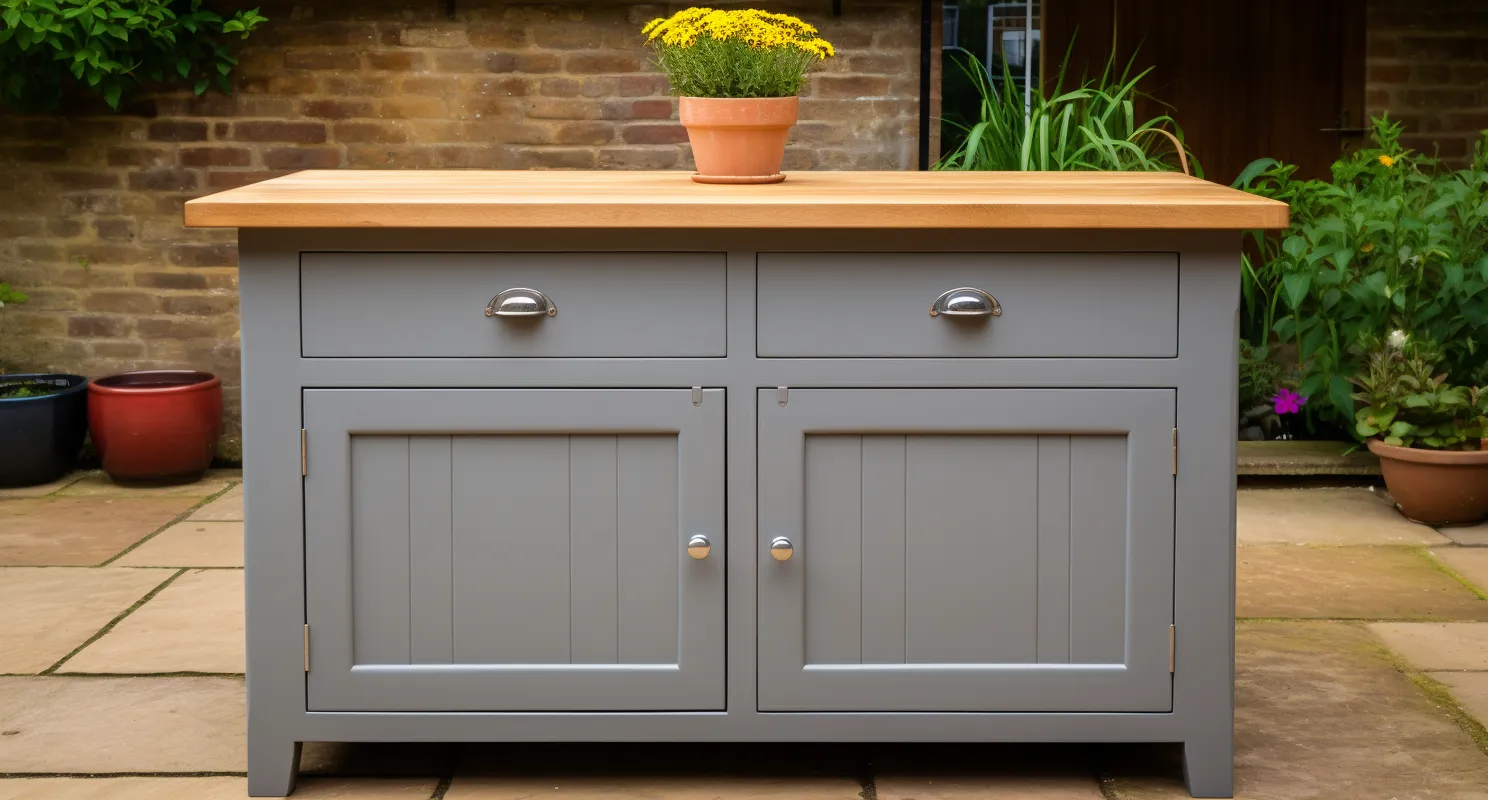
966, 302
521, 303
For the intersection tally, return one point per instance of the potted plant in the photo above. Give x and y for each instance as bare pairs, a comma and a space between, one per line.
157, 425
1427, 433
738, 74
43, 417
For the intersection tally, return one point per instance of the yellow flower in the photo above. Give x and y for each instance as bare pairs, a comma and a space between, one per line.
1386, 160
756, 28
1366, 247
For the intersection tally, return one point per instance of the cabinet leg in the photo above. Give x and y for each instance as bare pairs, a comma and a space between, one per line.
1209, 766
273, 765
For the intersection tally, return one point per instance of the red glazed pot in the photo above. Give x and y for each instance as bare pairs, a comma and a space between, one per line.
159, 425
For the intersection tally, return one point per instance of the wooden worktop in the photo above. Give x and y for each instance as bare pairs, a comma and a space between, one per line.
512, 199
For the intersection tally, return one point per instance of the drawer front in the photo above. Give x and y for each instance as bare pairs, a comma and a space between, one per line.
1052, 305
433, 305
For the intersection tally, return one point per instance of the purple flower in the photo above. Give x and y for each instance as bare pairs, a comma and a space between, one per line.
1288, 402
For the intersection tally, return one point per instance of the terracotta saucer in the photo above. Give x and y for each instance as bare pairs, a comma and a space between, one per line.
776, 178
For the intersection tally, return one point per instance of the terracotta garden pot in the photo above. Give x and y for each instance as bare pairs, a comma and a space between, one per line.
1436, 487
156, 426
739, 139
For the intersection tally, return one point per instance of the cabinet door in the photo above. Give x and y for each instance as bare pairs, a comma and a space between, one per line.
513, 550
966, 550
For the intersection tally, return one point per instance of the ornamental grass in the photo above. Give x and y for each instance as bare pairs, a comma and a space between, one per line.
743, 53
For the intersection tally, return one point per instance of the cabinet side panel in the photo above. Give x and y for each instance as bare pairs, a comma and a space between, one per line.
430, 551
972, 549
883, 550
1054, 550
650, 549
1100, 552
831, 552
511, 549
379, 549
593, 516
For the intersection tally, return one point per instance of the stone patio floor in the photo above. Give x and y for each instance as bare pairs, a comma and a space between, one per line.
1361, 670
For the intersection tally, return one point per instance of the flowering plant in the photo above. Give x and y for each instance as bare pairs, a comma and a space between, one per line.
1406, 404
1391, 242
741, 53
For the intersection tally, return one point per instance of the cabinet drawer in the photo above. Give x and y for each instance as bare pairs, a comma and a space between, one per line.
1052, 305
433, 305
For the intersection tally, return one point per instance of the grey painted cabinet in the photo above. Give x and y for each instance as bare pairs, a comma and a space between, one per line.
966, 550
999, 527
503, 550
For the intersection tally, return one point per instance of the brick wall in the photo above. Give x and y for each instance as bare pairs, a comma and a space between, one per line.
90, 205
1428, 67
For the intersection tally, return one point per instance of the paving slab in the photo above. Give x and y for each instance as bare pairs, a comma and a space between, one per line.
1437, 646
97, 484
1467, 536
228, 507
48, 612
1471, 563
194, 625
52, 724
1335, 516
1470, 689
208, 789
190, 543
1301, 582
79, 531
982, 787
40, 490
625, 787
1299, 457
1322, 713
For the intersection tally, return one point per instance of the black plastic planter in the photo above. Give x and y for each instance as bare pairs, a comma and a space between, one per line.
40, 436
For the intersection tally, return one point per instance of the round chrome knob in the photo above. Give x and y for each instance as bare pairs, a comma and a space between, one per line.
699, 547
781, 549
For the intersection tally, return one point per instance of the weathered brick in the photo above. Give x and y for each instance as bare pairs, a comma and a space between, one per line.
121, 302
638, 158
65, 227
849, 86
396, 61
412, 108
460, 61
120, 229
156, 328
602, 63
164, 179
590, 133
638, 109
94, 326
170, 280
302, 157
382, 132
559, 87
216, 157
178, 131
536, 63
285, 83
199, 305
291, 132
445, 36
654, 133
89, 255
75, 179
555, 158
640, 85
139, 156
561, 108
568, 37
497, 35
323, 60
336, 109
120, 348
203, 255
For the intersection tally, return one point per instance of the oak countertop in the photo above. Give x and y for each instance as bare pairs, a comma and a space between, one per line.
623, 199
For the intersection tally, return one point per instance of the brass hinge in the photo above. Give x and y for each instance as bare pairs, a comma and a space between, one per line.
304, 461
307, 648
1175, 451
1172, 649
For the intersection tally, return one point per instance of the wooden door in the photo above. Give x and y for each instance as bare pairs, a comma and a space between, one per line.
513, 550
1276, 78
966, 550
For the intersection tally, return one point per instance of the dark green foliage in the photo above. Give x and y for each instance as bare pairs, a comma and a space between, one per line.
1407, 404
110, 47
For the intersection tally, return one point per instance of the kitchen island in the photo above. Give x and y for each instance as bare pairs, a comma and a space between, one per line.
856, 457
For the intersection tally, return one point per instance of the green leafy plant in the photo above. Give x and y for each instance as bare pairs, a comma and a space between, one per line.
1090, 127
110, 47
1260, 378
1406, 403
1390, 243
12, 347
11, 296
740, 53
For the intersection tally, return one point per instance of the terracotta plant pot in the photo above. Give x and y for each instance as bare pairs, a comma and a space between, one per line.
739, 139
156, 426
1436, 487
